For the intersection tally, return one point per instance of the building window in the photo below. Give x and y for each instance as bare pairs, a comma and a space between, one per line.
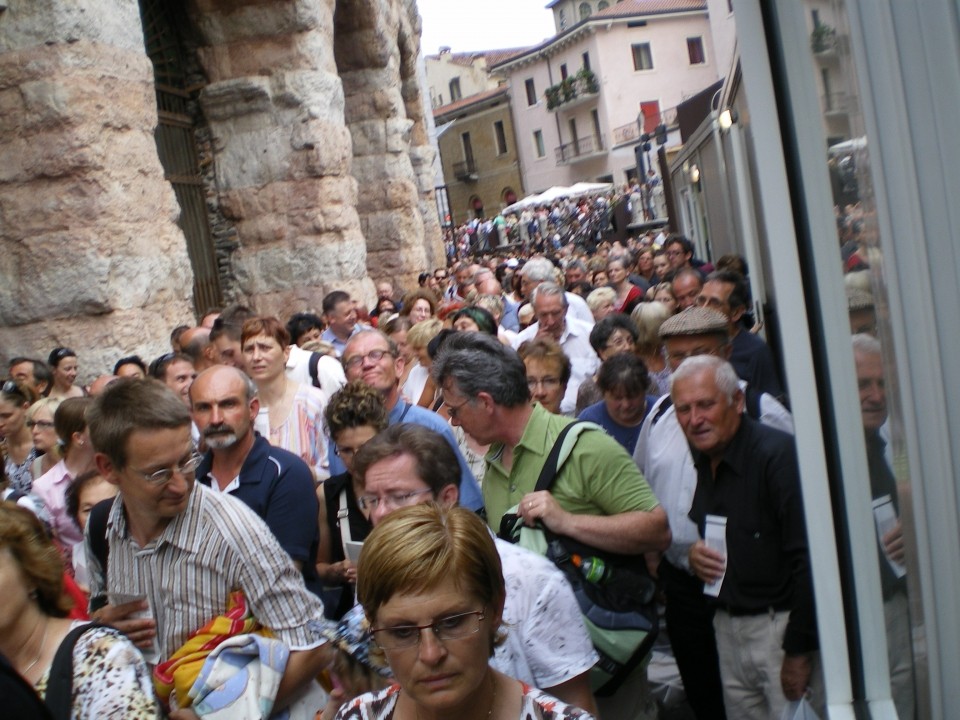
501, 137
531, 91
467, 150
563, 19
586, 60
695, 51
642, 57
563, 71
455, 90
602, 5
585, 11
538, 145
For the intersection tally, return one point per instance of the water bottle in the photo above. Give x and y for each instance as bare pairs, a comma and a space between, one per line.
594, 569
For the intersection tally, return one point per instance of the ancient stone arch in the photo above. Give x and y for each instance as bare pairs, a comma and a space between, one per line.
318, 161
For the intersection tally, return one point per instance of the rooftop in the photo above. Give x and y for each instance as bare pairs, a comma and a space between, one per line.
466, 102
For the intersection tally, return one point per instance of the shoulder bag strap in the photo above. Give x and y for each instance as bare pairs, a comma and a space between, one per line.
343, 520
59, 698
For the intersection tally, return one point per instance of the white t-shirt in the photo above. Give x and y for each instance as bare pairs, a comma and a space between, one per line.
412, 389
547, 642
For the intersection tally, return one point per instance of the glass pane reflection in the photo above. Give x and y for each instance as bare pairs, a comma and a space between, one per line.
861, 253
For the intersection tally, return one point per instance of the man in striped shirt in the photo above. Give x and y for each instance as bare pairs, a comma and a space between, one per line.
177, 549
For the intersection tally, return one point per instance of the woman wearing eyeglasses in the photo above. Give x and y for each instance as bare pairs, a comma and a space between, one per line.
70, 422
44, 434
548, 371
432, 588
63, 363
16, 440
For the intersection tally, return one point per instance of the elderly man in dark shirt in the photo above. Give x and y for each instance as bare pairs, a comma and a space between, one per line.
753, 553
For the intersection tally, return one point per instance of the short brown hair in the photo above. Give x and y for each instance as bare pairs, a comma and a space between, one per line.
419, 294
265, 325
356, 404
546, 349
416, 548
436, 462
130, 405
71, 417
40, 561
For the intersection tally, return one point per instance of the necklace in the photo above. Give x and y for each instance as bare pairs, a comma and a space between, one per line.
43, 641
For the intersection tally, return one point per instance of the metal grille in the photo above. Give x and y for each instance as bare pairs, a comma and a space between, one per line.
177, 148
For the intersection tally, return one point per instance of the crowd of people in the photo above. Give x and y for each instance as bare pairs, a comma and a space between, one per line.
390, 512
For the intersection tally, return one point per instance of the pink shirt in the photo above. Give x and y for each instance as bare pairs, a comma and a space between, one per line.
51, 487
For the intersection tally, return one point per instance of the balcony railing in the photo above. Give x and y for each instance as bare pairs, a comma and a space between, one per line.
580, 149
573, 91
466, 170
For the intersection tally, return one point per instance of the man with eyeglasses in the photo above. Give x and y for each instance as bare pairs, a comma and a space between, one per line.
177, 550
663, 455
726, 292
372, 357
276, 484
547, 644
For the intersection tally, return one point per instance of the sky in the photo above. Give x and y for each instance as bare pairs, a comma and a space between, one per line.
483, 25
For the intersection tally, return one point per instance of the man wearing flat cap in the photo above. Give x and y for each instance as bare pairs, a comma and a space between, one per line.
664, 458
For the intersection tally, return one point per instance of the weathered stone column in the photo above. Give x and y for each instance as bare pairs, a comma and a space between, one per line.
376, 45
282, 150
90, 253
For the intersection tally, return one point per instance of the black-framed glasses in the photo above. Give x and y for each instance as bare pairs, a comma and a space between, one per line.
454, 410
451, 627
356, 361
162, 477
42, 424
392, 500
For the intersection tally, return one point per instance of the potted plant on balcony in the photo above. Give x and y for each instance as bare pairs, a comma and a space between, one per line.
589, 80
552, 94
568, 89
822, 37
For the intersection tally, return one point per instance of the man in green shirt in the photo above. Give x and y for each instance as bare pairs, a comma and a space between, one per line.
599, 497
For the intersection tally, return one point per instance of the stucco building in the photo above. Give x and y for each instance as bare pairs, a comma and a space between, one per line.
579, 99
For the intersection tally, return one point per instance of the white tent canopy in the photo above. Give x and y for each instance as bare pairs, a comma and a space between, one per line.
557, 192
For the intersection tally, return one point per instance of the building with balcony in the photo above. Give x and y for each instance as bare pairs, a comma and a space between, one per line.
581, 100
478, 152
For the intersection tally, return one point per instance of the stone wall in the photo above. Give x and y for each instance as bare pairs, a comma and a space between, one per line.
376, 43
319, 165
90, 253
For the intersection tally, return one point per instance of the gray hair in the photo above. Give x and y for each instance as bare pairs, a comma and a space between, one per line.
539, 269
549, 289
723, 373
491, 303
249, 387
476, 363
864, 344
576, 264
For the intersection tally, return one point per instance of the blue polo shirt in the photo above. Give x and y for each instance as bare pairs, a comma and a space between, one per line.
278, 486
470, 496
626, 436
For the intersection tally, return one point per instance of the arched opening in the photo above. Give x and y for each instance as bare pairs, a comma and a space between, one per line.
508, 196
176, 75
476, 206
585, 10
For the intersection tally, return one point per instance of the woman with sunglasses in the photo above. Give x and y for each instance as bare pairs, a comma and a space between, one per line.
432, 588
63, 363
17, 441
45, 440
